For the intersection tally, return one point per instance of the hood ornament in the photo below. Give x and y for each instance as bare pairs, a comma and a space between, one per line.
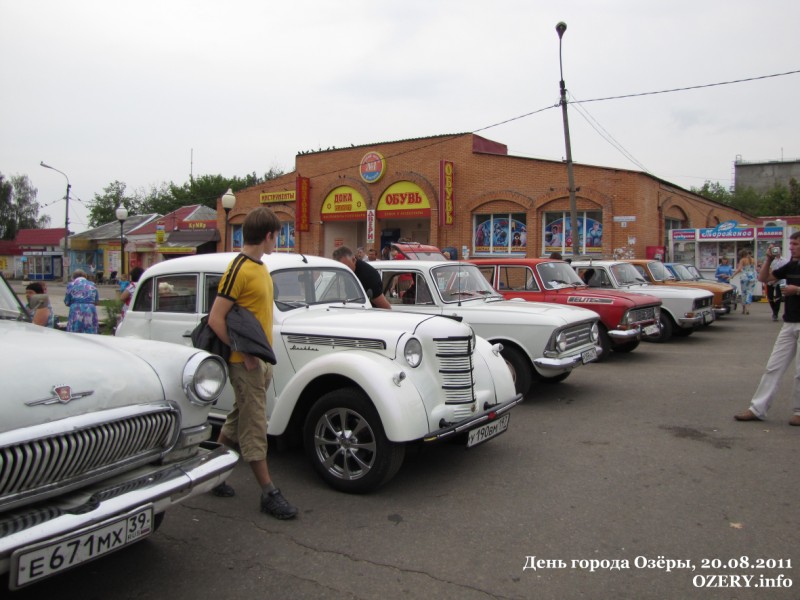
61, 394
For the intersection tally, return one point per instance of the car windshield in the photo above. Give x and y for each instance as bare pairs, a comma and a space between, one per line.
626, 274
659, 271
462, 282
682, 273
694, 272
10, 305
296, 288
557, 275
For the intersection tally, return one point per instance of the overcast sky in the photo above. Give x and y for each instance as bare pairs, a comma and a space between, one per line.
147, 92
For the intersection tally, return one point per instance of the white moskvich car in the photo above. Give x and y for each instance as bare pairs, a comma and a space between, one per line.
355, 383
683, 309
98, 437
540, 340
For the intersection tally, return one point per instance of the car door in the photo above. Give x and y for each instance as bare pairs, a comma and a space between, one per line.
166, 309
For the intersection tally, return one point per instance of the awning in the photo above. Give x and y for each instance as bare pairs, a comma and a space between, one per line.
187, 241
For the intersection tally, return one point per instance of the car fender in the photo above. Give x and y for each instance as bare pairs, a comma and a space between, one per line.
399, 405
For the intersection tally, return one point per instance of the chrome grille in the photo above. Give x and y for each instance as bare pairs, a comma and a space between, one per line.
637, 315
727, 297
579, 335
67, 460
335, 342
702, 302
455, 367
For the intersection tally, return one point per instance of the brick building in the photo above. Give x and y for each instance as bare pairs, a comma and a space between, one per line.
466, 192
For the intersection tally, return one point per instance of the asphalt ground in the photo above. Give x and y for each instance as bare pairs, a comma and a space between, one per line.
630, 479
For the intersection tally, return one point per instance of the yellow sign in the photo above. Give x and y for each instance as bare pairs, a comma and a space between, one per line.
285, 196
405, 200
344, 204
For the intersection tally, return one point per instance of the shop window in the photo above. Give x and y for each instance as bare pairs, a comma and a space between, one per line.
285, 241
557, 232
503, 233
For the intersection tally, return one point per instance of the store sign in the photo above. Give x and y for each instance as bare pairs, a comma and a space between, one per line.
344, 204
160, 236
372, 167
370, 226
404, 200
271, 197
624, 219
446, 206
727, 234
684, 235
303, 187
770, 233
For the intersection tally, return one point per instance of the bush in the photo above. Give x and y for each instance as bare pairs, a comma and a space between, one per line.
113, 314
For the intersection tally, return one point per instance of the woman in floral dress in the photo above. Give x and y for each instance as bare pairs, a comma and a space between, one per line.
82, 299
747, 267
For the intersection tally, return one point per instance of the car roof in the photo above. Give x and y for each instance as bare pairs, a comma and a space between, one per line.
218, 262
516, 260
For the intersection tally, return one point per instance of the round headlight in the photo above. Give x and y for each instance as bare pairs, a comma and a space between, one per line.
413, 352
595, 333
204, 378
561, 342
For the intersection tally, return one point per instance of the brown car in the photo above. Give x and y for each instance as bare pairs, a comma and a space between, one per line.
657, 273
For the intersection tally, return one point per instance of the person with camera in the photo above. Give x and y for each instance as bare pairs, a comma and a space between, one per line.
774, 295
786, 345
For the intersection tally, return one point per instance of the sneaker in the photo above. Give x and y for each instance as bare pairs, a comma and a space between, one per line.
223, 490
746, 416
276, 505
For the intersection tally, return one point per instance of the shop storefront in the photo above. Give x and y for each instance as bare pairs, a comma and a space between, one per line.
466, 192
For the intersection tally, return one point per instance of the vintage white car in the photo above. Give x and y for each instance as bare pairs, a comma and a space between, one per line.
539, 340
683, 310
356, 384
98, 437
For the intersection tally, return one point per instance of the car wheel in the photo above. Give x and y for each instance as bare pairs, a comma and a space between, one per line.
344, 439
682, 332
667, 327
158, 520
605, 343
626, 347
520, 369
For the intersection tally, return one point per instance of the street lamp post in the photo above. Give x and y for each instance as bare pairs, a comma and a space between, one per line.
561, 27
228, 202
65, 260
122, 215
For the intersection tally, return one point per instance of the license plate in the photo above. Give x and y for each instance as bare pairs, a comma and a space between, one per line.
37, 562
487, 431
708, 317
651, 330
589, 355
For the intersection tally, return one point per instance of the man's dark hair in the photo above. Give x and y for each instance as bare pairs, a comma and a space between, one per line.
795, 236
35, 287
136, 273
258, 223
342, 252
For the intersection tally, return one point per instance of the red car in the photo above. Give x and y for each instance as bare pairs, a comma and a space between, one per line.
624, 317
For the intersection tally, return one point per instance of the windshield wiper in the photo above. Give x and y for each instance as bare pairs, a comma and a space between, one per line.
292, 303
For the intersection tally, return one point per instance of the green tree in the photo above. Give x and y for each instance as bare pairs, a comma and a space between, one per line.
18, 207
747, 200
103, 208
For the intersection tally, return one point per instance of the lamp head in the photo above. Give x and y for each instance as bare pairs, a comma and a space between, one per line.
228, 200
561, 27
122, 213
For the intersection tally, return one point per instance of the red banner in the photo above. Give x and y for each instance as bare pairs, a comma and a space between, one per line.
302, 220
446, 205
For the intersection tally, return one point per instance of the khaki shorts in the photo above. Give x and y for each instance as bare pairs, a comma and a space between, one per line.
246, 424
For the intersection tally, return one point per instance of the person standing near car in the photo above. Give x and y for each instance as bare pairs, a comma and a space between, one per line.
247, 283
127, 293
82, 298
367, 274
724, 271
774, 295
786, 345
39, 305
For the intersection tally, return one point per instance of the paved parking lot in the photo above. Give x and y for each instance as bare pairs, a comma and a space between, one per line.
629, 464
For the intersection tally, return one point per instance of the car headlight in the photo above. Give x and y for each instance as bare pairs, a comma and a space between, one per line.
204, 378
561, 342
413, 352
595, 333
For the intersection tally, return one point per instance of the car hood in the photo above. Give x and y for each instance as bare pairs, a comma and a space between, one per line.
95, 372
719, 288
356, 323
667, 291
617, 296
519, 311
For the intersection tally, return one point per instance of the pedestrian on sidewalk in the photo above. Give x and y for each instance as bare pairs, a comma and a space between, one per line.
785, 349
39, 305
82, 298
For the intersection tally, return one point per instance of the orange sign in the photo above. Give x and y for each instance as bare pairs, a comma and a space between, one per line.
285, 196
446, 206
303, 221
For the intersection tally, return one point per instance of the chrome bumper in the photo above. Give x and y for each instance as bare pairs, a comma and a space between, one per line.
624, 334
162, 488
490, 413
560, 365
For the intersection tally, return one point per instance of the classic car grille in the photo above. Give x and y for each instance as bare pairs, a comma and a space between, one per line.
727, 297
455, 368
336, 342
637, 315
578, 335
702, 302
65, 460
